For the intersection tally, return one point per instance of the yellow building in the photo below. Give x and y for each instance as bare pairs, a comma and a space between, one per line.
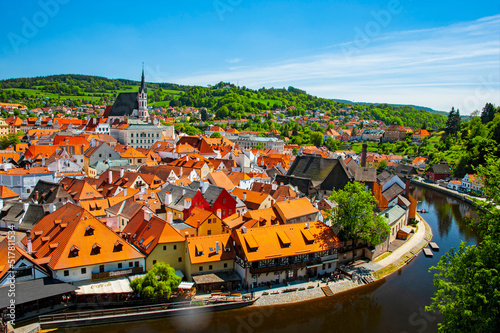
209, 254
4, 127
205, 223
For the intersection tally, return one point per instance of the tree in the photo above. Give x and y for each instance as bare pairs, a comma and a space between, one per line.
157, 283
453, 122
488, 113
468, 280
8, 140
295, 151
204, 115
317, 139
355, 216
424, 125
382, 166
332, 144
216, 135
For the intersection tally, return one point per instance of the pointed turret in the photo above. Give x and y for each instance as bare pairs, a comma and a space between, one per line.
142, 98
143, 83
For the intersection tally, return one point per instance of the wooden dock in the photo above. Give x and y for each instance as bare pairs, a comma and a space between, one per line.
434, 246
428, 252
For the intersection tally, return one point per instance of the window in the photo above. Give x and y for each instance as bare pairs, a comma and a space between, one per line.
290, 273
210, 267
100, 155
165, 247
223, 200
84, 270
254, 279
225, 265
209, 232
180, 259
120, 265
89, 231
96, 249
101, 269
136, 264
130, 264
66, 273
175, 247
200, 268
154, 262
223, 213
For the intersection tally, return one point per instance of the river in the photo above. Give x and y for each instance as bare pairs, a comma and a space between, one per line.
393, 304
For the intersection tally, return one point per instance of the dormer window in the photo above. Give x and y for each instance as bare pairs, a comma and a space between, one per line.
89, 231
73, 252
96, 249
118, 247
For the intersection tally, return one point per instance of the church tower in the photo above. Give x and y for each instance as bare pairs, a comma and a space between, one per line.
142, 98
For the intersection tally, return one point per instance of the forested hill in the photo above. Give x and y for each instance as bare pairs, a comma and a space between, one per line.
224, 99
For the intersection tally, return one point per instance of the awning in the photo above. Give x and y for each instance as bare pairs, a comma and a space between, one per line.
179, 273
33, 290
186, 285
329, 261
116, 286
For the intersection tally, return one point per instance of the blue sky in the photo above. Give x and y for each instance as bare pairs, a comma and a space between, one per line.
432, 53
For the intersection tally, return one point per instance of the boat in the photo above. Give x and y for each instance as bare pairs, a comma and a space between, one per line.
422, 211
428, 252
434, 246
100, 317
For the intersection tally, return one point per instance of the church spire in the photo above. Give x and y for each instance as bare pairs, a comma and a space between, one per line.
143, 83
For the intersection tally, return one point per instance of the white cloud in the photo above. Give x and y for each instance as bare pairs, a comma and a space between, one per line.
441, 67
233, 60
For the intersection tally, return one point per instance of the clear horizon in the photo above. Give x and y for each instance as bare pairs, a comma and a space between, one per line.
437, 55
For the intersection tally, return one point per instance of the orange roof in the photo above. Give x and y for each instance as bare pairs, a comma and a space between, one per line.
77, 234
220, 179
252, 198
44, 150
197, 217
291, 209
7, 193
30, 171
95, 207
202, 249
286, 240
147, 234
267, 214
234, 221
132, 153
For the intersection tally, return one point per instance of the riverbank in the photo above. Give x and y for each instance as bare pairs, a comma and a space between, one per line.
452, 193
305, 291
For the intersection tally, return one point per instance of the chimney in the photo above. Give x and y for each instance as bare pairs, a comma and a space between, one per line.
274, 186
217, 247
1, 203
307, 225
201, 185
25, 206
29, 247
180, 173
122, 173
110, 177
52, 208
152, 195
243, 230
219, 214
187, 203
244, 196
125, 192
168, 198
43, 160
363, 155
170, 217
187, 158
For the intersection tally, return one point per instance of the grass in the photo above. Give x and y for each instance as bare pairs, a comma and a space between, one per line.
382, 256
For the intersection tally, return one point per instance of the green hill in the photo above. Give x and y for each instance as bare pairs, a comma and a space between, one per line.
224, 99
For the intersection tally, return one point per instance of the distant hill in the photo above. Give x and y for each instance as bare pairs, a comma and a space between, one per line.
224, 99
423, 108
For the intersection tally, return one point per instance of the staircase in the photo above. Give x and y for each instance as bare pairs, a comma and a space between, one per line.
328, 292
